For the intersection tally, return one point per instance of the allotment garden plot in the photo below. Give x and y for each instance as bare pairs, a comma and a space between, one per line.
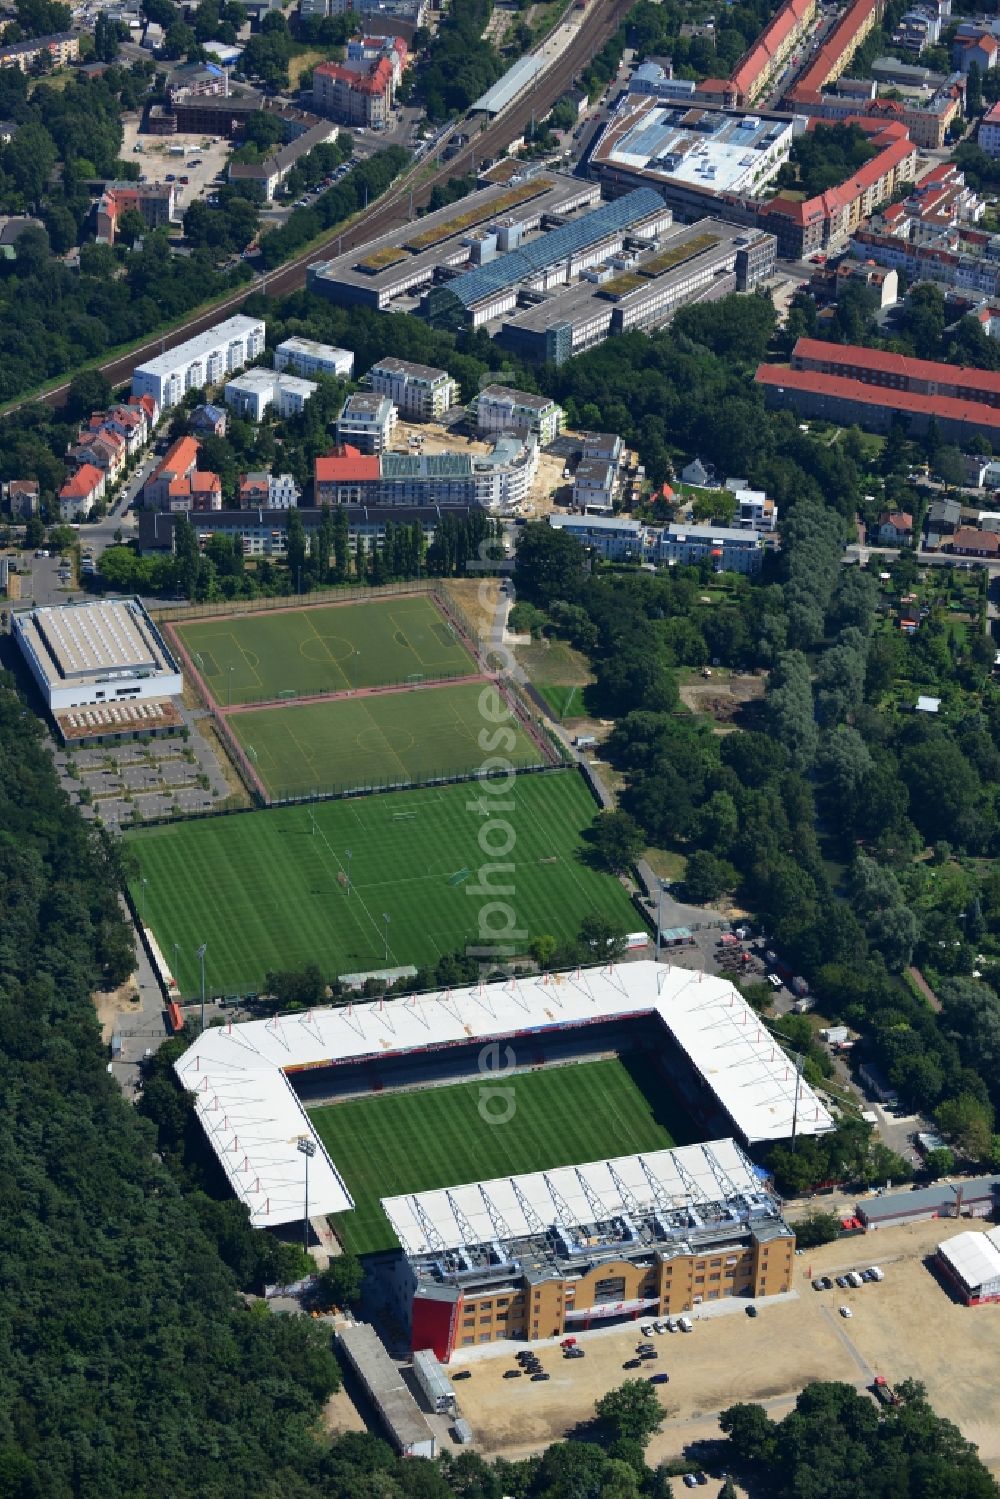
314, 883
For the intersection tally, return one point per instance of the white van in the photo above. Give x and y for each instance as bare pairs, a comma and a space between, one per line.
685, 1324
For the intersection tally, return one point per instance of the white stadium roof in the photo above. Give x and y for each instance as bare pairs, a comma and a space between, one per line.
686, 1176
253, 1118
975, 1258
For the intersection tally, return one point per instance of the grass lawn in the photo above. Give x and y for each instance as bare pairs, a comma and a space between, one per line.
559, 674
392, 1143
351, 743
248, 658
266, 891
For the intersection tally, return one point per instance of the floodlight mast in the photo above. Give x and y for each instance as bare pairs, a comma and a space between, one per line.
306, 1147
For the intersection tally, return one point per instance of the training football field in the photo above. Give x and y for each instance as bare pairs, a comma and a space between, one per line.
391, 1143
314, 883
247, 658
359, 742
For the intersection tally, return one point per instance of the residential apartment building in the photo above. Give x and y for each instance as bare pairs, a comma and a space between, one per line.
360, 91
848, 402
264, 491
203, 360
200, 491
418, 391
496, 481
307, 357
211, 420
989, 131
618, 539
264, 533
21, 498
81, 492
836, 51
252, 393
179, 462
55, 51
367, 421
501, 409
897, 372
754, 511
154, 200
266, 175
762, 63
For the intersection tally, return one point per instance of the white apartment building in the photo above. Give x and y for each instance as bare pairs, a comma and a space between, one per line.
367, 422
251, 394
500, 409
989, 132
754, 511
418, 391
204, 360
307, 357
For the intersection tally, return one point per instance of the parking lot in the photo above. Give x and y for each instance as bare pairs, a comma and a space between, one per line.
156, 161
907, 1326
130, 782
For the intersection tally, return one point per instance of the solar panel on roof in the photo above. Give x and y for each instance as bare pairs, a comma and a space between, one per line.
509, 269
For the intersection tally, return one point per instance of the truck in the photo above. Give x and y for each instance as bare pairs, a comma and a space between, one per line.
585, 741
884, 1392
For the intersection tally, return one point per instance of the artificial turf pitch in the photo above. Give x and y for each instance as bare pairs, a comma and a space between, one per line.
391, 1143
267, 890
247, 658
361, 742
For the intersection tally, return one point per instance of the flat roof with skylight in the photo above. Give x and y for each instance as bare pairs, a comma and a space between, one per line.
96, 652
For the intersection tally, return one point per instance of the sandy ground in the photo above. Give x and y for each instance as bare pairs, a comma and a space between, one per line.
112, 1004
446, 440
155, 160
905, 1326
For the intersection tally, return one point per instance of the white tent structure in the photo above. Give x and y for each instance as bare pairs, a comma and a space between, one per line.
239, 1074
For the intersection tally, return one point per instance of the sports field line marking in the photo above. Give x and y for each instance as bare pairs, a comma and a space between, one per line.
438, 619
354, 890
333, 660
246, 660
382, 735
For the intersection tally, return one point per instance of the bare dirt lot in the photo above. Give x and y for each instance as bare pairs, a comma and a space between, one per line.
905, 1326
722, 696
477, 598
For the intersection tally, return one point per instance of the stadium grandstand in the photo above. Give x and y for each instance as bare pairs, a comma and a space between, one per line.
559, 1251
247, 1081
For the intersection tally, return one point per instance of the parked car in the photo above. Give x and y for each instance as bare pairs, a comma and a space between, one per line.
512, 1373
751, 1310
575, 1353
540, 1376
648, 1328
845, 1311
819, 1284
659, 1379
632, 1363
462, 1374
843, 1282
685, 1324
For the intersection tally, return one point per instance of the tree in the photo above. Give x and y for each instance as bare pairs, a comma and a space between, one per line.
604, 942
28, 159
751, 1432
817, 1229
295, 548
973, 91
297, 988
549, 565
130, 227
790, 708
617, 839
707, 877
88, 391
632, 1411
940, 1162
340, 1283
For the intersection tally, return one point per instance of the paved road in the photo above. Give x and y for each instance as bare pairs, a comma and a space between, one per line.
598, 24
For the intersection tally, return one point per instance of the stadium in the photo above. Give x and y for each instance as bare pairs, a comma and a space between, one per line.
543, 1244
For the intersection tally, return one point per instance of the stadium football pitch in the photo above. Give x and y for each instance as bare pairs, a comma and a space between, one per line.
391, 1143
384, 739
248, 658
314, 883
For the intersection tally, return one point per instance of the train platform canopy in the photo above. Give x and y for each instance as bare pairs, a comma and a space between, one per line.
511, 86
239, 1075
571, 1196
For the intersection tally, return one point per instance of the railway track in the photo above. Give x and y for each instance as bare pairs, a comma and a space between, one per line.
599, 23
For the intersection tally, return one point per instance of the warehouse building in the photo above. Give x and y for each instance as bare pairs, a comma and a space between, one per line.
398, 267
204, 360
971, 1263
554, 1252
690, 155
102, 655
639, 288
401, 1417
975, 1197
